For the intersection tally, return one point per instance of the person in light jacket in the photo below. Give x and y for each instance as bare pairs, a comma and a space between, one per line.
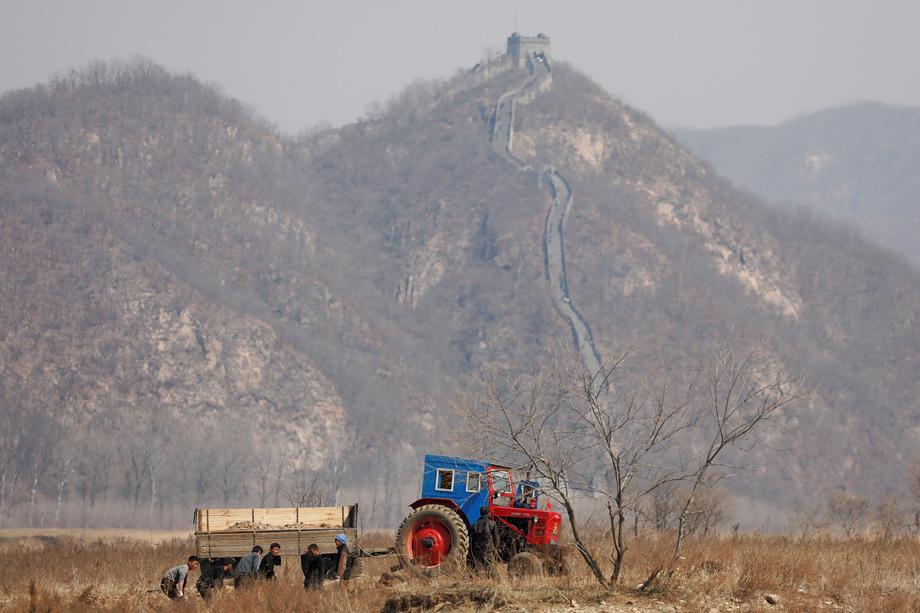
247, 569
175, 579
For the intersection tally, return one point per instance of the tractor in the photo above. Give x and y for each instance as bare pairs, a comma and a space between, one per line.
436, 534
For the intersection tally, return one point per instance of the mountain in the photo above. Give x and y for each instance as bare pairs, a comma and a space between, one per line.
856, 163
200, 311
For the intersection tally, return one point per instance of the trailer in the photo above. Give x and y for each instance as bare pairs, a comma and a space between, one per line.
232, 533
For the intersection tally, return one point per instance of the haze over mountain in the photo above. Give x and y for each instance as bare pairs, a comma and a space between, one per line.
185, 289
857, 163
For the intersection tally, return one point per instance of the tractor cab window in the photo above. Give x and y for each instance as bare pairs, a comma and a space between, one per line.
501, 487
527, 496
444, 480
473, 482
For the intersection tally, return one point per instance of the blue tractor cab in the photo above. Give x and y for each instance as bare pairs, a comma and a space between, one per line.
463, 482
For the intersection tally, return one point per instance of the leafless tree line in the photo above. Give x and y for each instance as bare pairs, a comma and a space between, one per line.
853, 515
628, 440
145, 462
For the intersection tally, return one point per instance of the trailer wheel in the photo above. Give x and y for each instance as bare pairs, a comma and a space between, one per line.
433, 538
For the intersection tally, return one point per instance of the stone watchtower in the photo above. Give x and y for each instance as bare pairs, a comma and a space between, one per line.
522, 47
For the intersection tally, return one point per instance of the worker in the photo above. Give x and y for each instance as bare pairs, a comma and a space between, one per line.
269, 561
313, 566
213, 578
343, 558
174, 580
247, 569
485, 542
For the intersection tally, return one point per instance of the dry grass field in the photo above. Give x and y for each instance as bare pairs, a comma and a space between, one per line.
112, 570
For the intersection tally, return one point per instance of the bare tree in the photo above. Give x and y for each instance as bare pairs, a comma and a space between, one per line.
633, 427
93, 464
888, 516
613, 437
639, 516
13, 438
708, 511
307, 491
663, 507
44, 434
737, 394
808, 517
64, 463
234, 445
848, 511
265, 466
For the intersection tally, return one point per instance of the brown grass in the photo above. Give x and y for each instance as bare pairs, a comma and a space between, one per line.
20, 536
60, 572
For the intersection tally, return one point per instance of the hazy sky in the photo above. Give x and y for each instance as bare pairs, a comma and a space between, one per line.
697, 63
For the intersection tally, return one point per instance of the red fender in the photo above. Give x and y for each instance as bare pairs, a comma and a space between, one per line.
444, 502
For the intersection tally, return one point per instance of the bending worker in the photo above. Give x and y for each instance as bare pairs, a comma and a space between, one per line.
175, 579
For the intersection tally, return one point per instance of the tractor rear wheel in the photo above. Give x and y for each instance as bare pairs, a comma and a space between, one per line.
433, 538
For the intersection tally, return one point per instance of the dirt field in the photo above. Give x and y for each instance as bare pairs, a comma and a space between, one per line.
120, 570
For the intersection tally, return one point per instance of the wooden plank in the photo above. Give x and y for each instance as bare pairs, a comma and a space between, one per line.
293, 542
221, 519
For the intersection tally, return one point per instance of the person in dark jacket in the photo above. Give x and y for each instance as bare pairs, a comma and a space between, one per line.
269, 561
485, 541
213, 578
247, 569
313, 566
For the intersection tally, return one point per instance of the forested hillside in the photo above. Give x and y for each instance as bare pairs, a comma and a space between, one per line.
197, 310
856, 163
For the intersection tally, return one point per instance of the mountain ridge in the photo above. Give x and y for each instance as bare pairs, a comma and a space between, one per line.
355, 277
854, 162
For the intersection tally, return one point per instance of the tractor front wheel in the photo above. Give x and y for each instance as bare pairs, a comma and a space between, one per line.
523, 565
433, 538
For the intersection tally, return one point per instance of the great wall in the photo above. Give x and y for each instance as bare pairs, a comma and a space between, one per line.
532, 53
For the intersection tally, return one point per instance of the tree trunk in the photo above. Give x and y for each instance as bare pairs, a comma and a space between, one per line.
32, 495
60, 500
580, 545
10, 495
263, 488
387, 497
279, 482
153, 494
681, 529
617, 522
62, 487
